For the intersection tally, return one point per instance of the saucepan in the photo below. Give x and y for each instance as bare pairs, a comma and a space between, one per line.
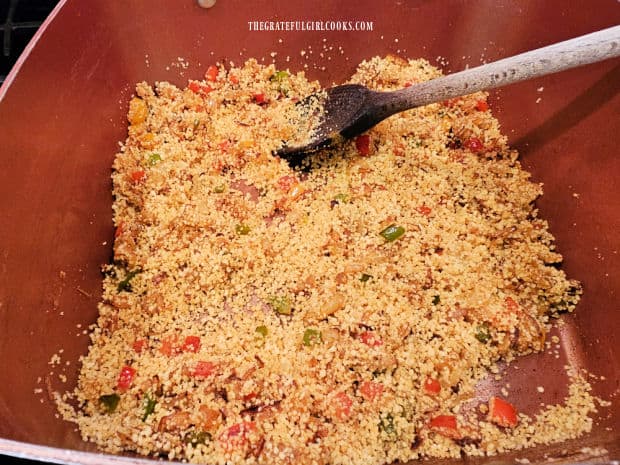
62, 113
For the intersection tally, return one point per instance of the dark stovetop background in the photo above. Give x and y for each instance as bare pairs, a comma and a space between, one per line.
4, 460
19, 20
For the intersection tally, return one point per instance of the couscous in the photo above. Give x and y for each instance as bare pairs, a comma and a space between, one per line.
341, 314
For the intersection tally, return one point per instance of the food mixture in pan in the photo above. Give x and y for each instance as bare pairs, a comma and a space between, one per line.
340, 314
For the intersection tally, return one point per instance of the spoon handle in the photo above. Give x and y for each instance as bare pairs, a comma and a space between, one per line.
582, 50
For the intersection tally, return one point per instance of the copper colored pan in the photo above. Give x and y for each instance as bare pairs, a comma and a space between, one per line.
62, 111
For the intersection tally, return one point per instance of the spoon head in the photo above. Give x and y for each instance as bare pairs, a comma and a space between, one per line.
333, 115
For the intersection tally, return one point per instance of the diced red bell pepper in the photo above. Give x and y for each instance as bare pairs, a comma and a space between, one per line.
342, 405
370, 339
502, 413
482, 105
362, 144
139, 345
211, 73
424, 210
443, 421
237, 435
138, 176
191, 344
259, 97
474, 144
445, 425
125, 378
432, 386
197, 88
233, 79
194, 86
204, 369
250, 396
371, 390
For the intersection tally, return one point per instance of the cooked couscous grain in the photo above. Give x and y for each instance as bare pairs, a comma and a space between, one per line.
258, 314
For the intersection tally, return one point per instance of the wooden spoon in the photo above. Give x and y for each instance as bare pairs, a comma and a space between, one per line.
351, 109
